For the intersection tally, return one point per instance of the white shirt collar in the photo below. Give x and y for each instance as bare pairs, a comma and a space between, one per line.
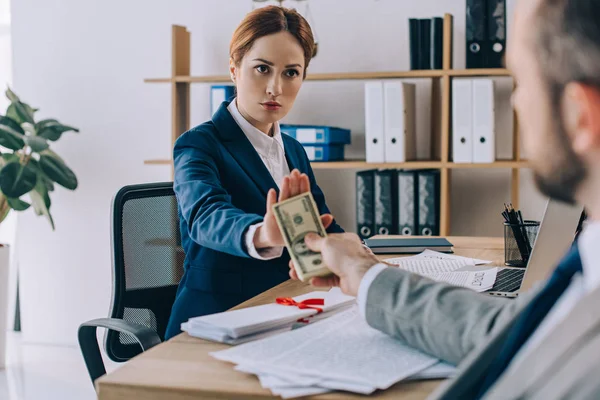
259, 140
589, 251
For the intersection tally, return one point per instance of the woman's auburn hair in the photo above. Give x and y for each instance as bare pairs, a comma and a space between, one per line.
267, 21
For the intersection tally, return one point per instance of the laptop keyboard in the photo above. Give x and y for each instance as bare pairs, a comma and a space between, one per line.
508, 280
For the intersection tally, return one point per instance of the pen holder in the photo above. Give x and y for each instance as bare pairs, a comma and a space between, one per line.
518, 242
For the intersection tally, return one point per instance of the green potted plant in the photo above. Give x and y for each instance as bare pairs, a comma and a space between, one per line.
29, 170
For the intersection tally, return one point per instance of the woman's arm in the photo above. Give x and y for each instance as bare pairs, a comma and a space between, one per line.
213, 221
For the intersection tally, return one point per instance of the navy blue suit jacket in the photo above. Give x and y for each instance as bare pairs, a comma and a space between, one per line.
221, 185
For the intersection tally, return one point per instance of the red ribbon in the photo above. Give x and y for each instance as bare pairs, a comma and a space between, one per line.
308, 303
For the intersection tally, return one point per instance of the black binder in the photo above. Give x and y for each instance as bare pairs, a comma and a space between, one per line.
476, 33
365, 203
413, 37
386, 198
437, 45
425, 43
496, 33
428, 200
407, 190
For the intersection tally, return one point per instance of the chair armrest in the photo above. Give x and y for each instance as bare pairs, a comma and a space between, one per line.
88, 342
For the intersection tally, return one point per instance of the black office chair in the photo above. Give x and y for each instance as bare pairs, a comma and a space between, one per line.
147, 266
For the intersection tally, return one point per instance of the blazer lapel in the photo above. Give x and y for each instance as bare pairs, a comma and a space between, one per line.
240, 148
553, 349
292, 157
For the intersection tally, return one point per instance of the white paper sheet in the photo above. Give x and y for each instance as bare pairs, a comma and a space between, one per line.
479, 281
299, 392
342, 348
273, 378
440, 370
443, 256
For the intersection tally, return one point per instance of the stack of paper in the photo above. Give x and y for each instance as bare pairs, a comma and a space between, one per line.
450, 269
339, 353
252, 323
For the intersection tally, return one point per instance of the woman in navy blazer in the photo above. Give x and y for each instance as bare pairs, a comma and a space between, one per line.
230, 170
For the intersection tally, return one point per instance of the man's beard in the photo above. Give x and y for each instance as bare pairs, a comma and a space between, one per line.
563, 180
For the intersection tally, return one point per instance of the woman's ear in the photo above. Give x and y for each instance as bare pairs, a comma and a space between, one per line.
232, 69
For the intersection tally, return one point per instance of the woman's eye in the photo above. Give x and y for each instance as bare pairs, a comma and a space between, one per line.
291, 73
263, 69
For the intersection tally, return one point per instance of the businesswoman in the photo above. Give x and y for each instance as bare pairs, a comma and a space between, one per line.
230, 170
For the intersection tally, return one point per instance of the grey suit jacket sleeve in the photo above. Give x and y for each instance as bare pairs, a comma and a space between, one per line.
444, 321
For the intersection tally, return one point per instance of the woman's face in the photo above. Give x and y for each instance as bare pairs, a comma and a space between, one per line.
268, 79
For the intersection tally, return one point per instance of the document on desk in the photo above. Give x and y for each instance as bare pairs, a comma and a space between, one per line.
446, 268
479, 281
430, 254
434, 262
342, 352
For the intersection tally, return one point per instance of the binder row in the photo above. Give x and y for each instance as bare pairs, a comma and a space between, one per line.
397, 202
321, 143
426, 41
485, 33
390, 127
473, 121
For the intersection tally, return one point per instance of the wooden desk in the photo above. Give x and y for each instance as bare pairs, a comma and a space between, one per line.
181, 368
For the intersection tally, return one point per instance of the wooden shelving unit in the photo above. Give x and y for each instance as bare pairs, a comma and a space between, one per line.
181, 80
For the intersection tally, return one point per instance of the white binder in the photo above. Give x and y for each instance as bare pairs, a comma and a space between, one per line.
462, 120
374, 136
484, 138
399, 121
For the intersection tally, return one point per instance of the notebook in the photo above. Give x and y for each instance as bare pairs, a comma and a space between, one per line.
408, 245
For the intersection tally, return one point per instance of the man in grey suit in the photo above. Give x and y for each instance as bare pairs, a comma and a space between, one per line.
545, 344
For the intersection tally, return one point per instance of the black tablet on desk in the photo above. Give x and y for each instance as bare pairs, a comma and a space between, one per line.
408, 245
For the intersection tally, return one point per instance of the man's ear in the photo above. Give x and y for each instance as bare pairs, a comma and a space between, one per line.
581, 116
232, 70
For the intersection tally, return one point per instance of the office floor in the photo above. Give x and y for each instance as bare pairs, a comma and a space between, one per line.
40, 372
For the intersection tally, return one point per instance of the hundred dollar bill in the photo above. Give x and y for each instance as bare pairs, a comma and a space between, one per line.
296, 218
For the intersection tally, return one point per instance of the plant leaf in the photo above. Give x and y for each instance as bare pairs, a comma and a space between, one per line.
12, 124
51, 129
7, 158
36, 143
17, 204
55, 168
17, 179
41, 202
17, 110
10, 138
20, 112
11, 95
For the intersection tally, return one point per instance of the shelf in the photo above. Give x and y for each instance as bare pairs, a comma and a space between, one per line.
418, 165
357, 164
437, 73
496, 164
364, 164
480, 72
158, 162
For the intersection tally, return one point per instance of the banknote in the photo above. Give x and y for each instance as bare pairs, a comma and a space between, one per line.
297, 217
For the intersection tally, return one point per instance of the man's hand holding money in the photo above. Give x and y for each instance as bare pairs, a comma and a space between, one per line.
345, 256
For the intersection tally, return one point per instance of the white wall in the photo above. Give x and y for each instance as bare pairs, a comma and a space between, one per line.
84, 62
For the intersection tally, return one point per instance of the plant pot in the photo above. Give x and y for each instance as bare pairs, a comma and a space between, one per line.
4, 267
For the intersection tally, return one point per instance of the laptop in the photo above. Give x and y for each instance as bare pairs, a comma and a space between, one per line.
554, 238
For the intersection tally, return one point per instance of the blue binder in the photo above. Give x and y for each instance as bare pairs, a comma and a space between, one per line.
218, 94
324, 152
315, 134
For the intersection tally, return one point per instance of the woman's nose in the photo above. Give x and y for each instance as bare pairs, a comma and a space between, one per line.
274, 87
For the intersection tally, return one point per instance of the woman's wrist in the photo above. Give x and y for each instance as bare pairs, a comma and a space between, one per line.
260, 241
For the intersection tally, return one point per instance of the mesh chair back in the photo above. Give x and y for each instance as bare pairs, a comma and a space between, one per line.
147, 260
